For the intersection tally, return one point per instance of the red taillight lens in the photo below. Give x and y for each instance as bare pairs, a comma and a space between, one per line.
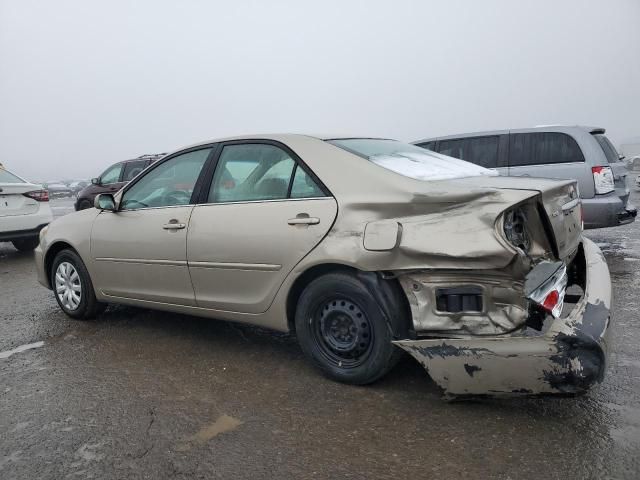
550, 294
38, 195
551, 300
602, 179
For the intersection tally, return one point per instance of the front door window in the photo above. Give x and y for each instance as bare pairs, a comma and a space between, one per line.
169, 184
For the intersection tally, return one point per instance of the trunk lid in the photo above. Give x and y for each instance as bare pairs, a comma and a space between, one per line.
560, 203
564, 210
13, 202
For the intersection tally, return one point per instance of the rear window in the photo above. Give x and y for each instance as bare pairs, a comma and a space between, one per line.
8, 177
543, 148
410, 160
428, 145
482, 151
608, 148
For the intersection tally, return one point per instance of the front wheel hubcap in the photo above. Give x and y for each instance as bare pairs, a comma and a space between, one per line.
68, 286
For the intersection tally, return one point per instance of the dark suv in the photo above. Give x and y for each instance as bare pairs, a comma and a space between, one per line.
114, 178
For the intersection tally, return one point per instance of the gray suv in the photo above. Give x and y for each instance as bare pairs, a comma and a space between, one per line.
576, 152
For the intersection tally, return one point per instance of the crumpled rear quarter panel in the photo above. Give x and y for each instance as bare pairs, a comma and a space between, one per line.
569, 358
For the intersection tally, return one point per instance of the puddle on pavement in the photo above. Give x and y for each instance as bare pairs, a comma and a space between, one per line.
21, 348
223, 424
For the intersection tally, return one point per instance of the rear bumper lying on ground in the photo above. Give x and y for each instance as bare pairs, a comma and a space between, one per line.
569, 357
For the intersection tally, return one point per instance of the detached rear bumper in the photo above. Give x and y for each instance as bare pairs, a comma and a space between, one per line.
569, 357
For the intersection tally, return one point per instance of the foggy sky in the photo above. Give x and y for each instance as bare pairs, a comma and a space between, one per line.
85, 84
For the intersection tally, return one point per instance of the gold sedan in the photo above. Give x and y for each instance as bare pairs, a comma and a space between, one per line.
363, 247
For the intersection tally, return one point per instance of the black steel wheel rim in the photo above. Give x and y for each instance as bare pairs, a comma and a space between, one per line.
342, 332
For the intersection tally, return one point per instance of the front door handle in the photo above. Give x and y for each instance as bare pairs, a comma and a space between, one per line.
174, 225
303, 219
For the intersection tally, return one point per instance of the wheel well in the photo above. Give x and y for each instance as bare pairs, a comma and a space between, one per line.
317, 271
51, 254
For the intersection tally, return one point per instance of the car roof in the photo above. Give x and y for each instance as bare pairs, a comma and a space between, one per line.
280, 137
537, 128
147, 156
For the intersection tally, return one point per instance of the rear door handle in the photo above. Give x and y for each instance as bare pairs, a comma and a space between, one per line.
303, 219
174, 226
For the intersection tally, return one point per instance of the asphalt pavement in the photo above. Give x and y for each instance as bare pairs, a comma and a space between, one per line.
144, 394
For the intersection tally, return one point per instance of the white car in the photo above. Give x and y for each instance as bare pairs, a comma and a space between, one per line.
24, 211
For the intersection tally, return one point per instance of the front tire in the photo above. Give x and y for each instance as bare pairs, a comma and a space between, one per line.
26, 244
344, 331
72, 286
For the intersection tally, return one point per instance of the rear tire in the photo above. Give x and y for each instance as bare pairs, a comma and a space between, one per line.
344, 331
72, 286
26, 244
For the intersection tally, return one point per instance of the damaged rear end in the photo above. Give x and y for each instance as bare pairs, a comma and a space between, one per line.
538, 324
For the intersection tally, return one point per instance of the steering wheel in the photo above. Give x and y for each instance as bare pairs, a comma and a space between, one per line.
176, 197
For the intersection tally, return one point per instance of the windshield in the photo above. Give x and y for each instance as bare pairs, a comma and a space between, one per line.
8, 177
410, 160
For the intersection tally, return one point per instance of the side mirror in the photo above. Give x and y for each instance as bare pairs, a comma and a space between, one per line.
105, 201
95, 181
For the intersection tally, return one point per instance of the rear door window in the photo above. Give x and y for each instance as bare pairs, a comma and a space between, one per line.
482, 151
452, 148
250, 172
304, 186
543, 148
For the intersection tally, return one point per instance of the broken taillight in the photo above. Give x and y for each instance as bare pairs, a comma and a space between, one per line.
551, 301
602, 179
549, 293
515, 229
38, 195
